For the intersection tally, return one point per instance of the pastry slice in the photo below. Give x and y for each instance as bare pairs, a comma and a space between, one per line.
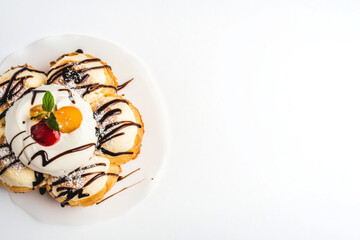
14, 175
119, 128
86, 74
15, 83
85, 185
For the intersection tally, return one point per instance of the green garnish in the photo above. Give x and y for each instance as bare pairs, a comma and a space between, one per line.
48, 104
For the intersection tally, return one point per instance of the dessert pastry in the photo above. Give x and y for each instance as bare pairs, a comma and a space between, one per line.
14, 175
84, 73
85, 185
15, 83
119, 128
68, 131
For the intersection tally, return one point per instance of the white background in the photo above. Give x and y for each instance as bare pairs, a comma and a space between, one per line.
263, 102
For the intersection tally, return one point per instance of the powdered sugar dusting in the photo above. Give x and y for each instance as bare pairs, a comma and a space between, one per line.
8, 158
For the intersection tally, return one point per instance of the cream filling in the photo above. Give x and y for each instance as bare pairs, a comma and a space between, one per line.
18, 176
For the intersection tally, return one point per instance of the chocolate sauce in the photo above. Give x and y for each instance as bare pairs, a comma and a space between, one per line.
92, 87
70, 192
42, 190
39, 178
123, 177
111, 130
6, 156
119, 192
11, 155
26, 137
13, 89
68, 73
15, 137
110, 113
66, 179
2, 115
71, 98
25, 148
34, 93
118, 88
108, 104
46, 160
113, 154
79, 51
112, 134
9, 166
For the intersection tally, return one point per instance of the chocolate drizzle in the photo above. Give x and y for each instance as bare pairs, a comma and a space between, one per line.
15, 88
111, 130
118, 88
39, 178
119, 191
46, 160
108, 135
80, 169
42, 190
123, 177
108, 104
34, 93
71, 98
91, 88
25, 148
70, 74
9, 154
70, 192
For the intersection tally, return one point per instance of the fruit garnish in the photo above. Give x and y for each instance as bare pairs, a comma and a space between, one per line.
45, 112
69, 118
44, 135
37, 112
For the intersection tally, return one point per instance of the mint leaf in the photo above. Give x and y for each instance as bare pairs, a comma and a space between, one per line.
48, 102
51, 122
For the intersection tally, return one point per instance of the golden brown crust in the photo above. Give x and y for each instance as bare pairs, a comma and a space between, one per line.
16, 189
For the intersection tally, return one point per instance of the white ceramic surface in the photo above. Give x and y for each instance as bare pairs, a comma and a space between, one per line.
142, 92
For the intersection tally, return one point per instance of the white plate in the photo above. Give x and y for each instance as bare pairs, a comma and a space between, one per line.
142, 92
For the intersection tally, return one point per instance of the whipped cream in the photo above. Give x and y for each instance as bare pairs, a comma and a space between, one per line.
18, 134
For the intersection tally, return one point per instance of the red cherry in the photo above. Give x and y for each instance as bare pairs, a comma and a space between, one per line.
44, 135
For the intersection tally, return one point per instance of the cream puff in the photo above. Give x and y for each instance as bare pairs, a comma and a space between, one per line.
17, 82
14, 175
84, 73
85, 185
119, 128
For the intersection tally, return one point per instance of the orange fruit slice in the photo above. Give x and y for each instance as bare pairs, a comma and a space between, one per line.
69, 118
